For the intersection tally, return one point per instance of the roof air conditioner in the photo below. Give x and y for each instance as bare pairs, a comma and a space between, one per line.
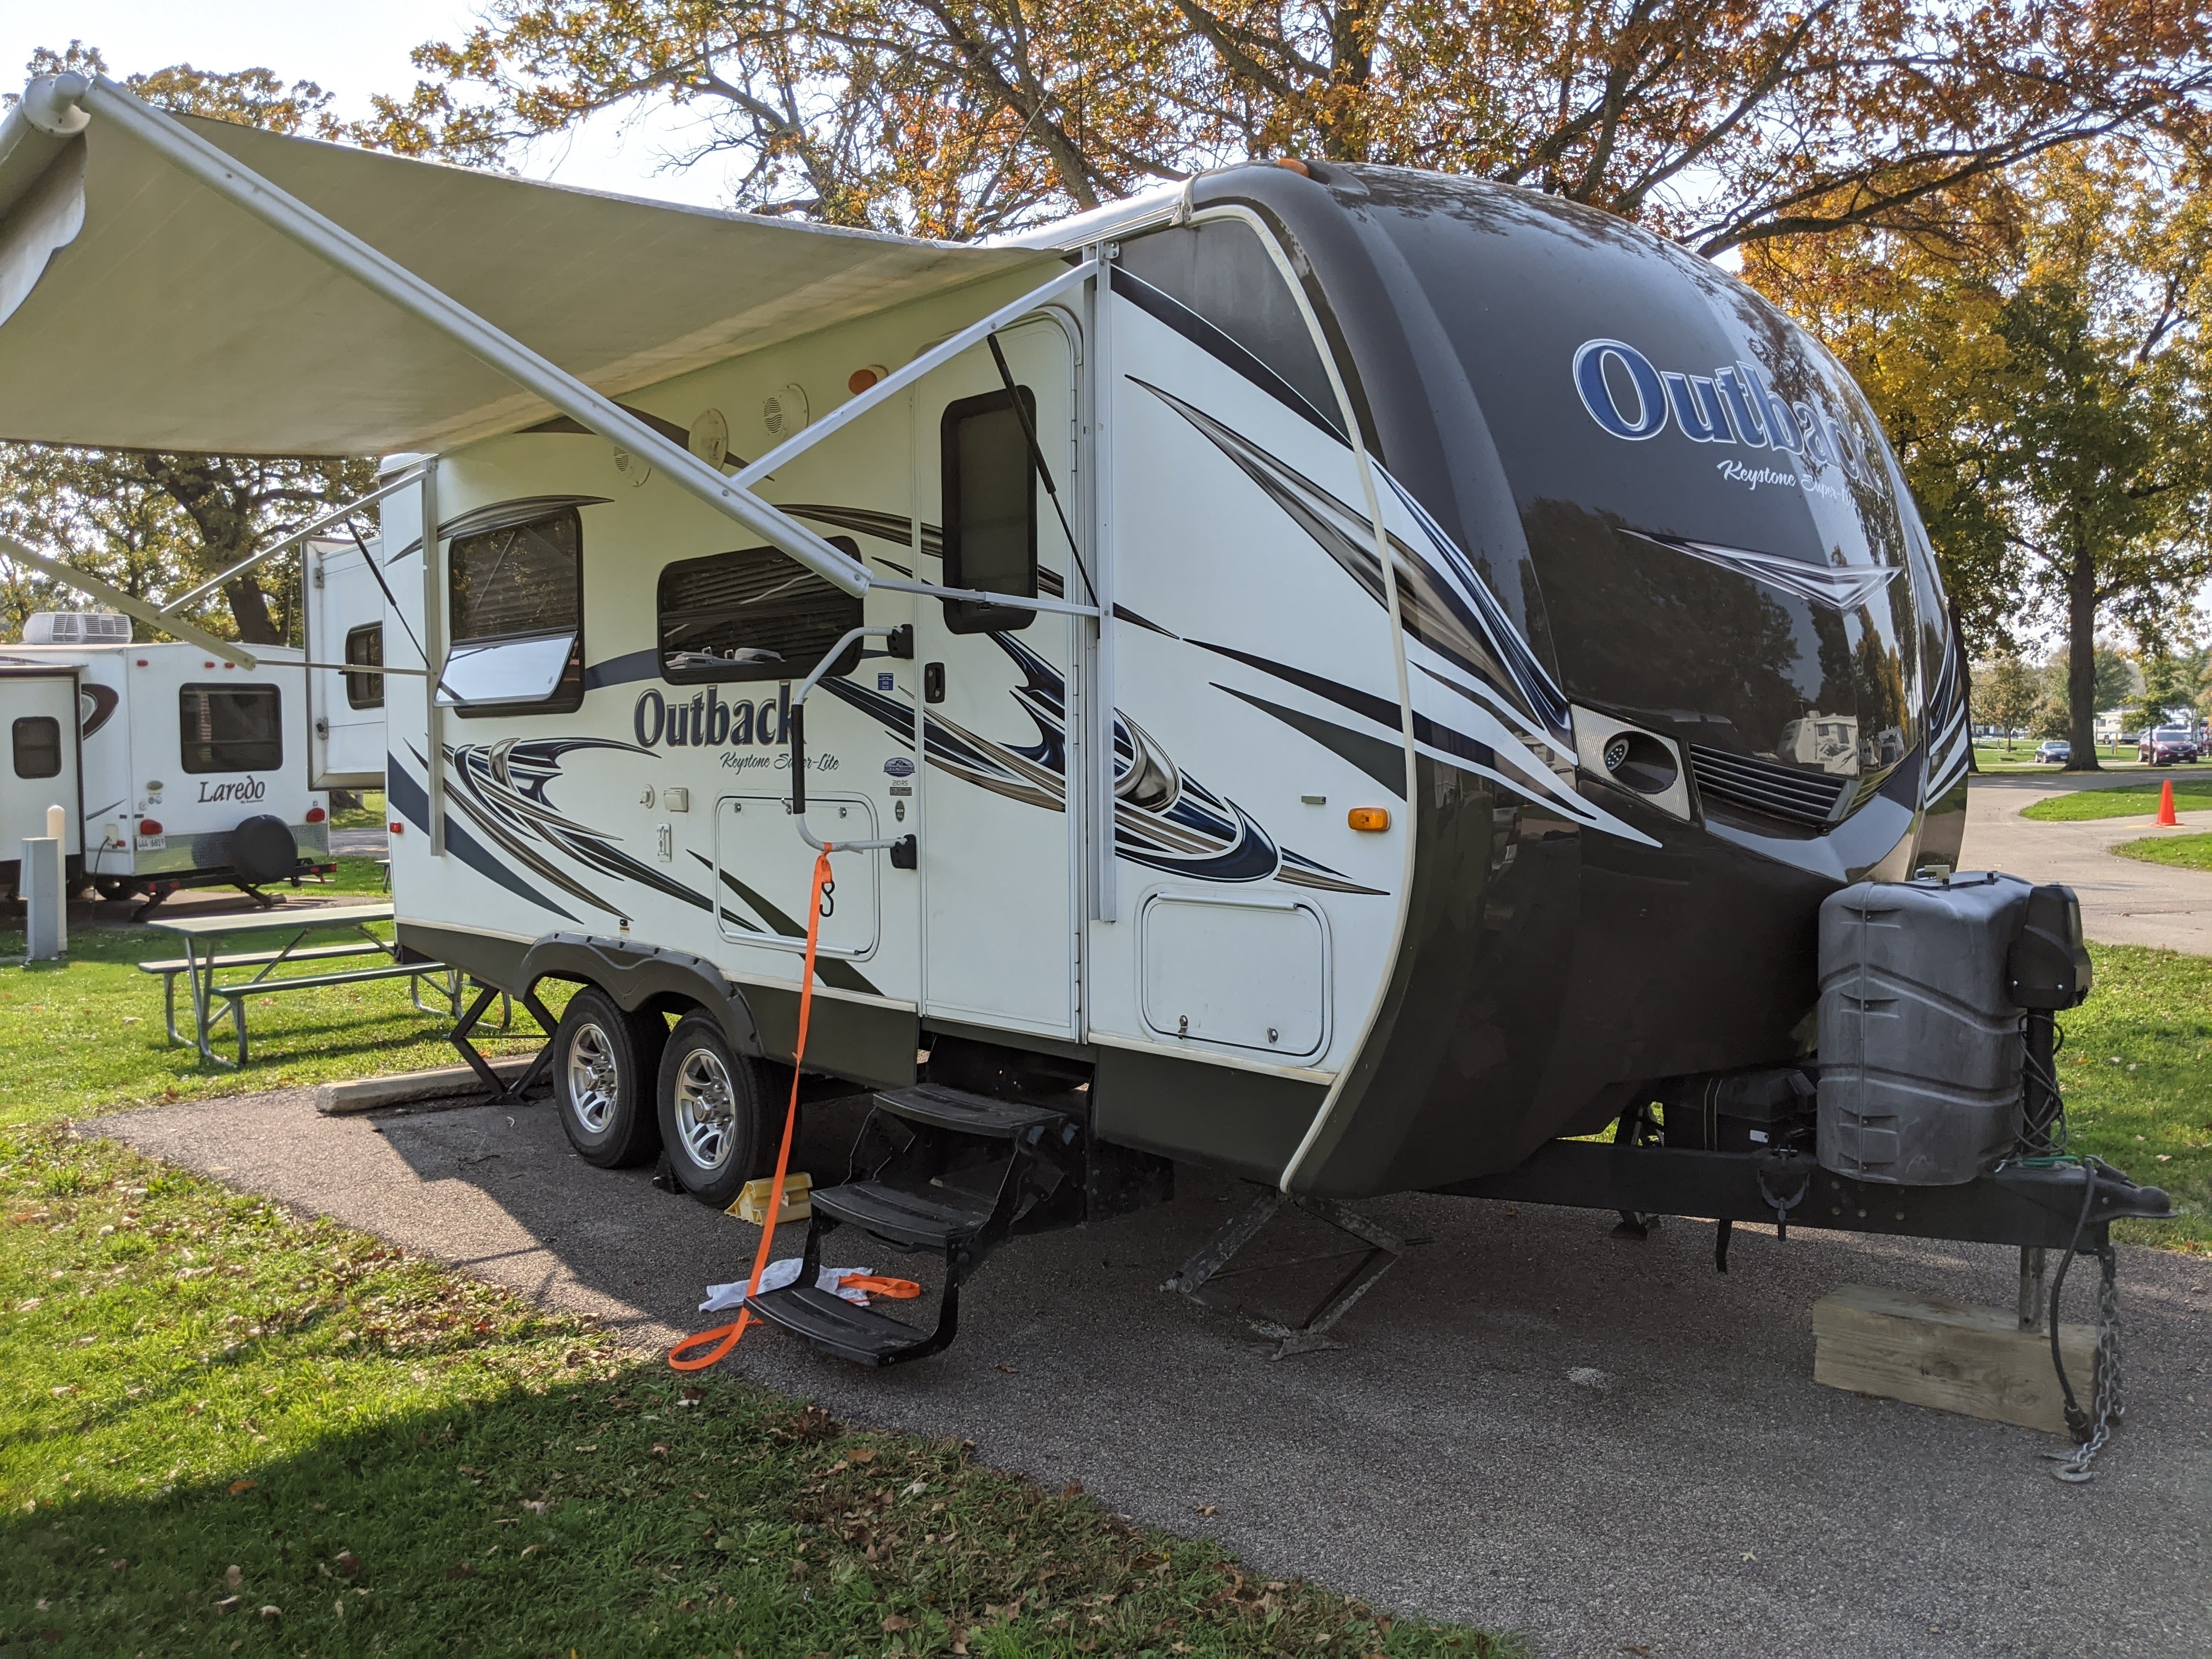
76, 627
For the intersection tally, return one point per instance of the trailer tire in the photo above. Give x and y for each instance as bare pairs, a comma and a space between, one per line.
711, 1119
604, 1065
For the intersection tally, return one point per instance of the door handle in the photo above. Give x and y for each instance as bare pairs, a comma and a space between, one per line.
932, 682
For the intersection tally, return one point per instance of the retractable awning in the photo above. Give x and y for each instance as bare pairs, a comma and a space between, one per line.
141, 309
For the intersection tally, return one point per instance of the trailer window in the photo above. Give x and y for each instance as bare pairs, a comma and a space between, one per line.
231, 728
990, 511
1216, 283
37, 744
365, 646
752, 614
516, 633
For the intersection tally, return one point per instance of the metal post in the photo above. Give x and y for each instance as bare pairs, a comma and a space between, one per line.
57, 833
43, 896
433, 656
2032, 1297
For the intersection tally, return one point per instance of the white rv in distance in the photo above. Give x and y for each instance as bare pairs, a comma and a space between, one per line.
177, 770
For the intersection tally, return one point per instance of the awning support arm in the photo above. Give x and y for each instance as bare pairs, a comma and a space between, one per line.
336, 515
129, 604
59, 98
897, 381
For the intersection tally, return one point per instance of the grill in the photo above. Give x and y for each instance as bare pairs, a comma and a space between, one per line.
1768, 786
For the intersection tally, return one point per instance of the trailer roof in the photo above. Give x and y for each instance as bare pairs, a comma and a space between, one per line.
139, 310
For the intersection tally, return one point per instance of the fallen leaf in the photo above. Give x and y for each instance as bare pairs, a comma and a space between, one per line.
531, 1549
463, 1571
862, 1455
537, 1506
238, 1486
233, 1576
349, 1563
272, 1611
227, 1604
659, 1449
893, 1622
1205, 1508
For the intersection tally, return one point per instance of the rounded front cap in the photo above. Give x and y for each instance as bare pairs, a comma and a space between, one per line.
1718, 545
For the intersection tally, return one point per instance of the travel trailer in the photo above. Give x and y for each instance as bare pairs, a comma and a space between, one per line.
176, 769
1323, 672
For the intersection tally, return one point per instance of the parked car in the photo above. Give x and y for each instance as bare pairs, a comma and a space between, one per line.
2167, 745
2057, 750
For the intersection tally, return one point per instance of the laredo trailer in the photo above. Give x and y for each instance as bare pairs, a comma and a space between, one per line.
1344, 676
189, 771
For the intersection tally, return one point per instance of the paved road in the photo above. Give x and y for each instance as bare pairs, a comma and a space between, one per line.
2123, 901
1712, 1502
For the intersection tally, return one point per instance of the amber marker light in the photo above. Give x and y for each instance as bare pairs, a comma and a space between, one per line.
1369, 818
862, 378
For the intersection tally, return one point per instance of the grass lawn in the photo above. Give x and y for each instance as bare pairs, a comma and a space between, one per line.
85, 1035
2021, 758
2137, 1069
2186, 851
226, 1431
369, 815
231, 1431
2133, 800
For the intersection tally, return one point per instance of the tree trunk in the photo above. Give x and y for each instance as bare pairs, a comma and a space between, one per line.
249, 608
2081, 661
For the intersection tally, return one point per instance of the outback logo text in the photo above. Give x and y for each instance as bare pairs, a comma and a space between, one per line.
1734, 405
706, 722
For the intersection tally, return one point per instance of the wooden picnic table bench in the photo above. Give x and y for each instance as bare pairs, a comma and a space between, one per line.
170, 967
214, 1000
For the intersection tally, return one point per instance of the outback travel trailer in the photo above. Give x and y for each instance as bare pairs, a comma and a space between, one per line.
177, 770
1344, 676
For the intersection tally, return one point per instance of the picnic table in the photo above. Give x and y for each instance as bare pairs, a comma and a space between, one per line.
205, 962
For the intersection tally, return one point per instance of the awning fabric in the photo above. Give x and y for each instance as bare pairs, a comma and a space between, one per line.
139, 310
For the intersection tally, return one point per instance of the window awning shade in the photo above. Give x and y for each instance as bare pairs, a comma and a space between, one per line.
140, 310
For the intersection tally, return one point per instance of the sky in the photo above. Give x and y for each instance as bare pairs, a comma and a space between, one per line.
353, 50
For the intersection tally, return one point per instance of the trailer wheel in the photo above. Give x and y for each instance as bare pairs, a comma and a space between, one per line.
603, 1061
710, 1112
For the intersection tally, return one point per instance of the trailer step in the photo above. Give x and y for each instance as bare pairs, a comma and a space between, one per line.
845, 1330
931, 1217
964, 1113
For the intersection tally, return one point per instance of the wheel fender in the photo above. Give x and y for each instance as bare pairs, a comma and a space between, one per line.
633, 974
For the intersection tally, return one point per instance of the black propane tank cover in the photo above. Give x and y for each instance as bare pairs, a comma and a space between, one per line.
1920, 1045
2049, 965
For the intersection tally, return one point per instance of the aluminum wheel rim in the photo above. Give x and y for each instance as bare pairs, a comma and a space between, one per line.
706, 1112
594, 1085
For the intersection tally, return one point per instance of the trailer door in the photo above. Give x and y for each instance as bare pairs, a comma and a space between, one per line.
40, 766
1000, 784
345, 707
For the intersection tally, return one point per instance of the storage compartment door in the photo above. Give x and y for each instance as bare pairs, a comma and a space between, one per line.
1249, 973
345, 707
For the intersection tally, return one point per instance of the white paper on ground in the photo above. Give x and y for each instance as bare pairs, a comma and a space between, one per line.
775, 1276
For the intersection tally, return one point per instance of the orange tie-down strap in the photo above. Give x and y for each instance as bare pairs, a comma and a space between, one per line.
725, 1337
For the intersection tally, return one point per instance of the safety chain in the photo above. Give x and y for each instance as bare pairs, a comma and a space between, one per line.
2110, 1408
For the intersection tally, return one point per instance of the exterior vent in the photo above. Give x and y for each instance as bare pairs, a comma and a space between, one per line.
1768, 786
76, 627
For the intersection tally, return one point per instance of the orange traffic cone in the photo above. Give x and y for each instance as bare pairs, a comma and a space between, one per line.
2166, 820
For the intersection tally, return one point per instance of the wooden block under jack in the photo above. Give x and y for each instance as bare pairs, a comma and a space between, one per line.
1929, 1351
797, 1198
